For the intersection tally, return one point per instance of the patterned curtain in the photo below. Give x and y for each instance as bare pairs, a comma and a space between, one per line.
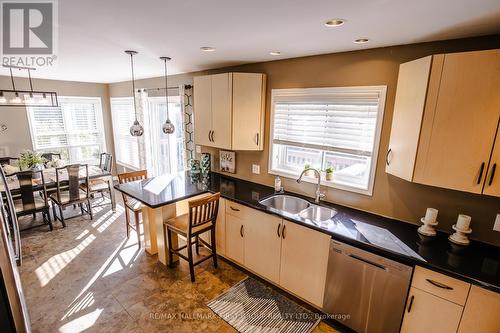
186, 93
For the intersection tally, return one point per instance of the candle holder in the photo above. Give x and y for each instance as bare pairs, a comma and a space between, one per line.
428, 228
460, 236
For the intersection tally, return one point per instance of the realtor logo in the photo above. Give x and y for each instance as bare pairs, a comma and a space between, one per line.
28, 28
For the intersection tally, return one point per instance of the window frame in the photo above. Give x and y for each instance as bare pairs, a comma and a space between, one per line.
116, 133
100, 125
308, 94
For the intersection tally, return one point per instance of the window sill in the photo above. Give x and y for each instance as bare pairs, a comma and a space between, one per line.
324, 182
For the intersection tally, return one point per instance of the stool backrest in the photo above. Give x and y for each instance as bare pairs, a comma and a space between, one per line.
204, 210
131, 177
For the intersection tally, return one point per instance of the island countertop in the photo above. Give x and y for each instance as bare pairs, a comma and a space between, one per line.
478, 263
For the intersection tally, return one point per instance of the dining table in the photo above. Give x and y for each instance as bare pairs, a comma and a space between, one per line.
49, 175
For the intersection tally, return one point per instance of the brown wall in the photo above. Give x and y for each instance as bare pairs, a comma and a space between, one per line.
392, 196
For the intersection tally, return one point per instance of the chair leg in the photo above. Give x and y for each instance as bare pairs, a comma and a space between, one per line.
62, 217
81, 208
127, 221
34, 216
89, 207
197, 244
169, 248
137, 228
54, 212
213, 246
190, 259
49, 220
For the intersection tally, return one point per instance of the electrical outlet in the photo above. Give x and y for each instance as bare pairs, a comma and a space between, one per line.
256, 168
496, 226
198, 149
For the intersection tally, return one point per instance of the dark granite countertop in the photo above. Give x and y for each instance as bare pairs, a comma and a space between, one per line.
478, 263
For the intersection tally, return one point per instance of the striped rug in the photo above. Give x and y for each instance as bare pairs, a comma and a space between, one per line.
251, 306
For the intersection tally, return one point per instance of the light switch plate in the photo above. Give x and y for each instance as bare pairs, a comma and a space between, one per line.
198, 149
256, 168
496, 226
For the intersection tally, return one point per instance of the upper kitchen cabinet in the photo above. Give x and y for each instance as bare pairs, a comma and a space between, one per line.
446, 117
229, 110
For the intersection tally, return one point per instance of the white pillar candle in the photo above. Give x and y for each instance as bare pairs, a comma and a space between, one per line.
431, 215
463, 222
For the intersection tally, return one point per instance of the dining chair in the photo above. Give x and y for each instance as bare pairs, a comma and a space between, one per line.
130, 203
201, 218
51, 156
8, 160
33, 198
101, 185
68, 192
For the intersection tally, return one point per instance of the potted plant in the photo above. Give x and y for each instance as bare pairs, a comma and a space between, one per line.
329, 173
30, 160
309, 173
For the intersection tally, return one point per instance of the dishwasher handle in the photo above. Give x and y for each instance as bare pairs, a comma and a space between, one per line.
367, 261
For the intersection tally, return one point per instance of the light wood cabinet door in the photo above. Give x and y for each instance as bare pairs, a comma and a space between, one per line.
481, 312
221, 111
235, 232
248, 111
220, 228
263, 245
202, 109
430, 314
458, 134
304, 260
492, 181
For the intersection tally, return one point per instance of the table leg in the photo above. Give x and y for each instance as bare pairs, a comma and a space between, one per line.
112, 194
154, 241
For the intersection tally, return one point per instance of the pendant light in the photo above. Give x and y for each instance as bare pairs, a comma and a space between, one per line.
136, 129
168, 127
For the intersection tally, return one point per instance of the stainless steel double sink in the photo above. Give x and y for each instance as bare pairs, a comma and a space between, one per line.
296, 206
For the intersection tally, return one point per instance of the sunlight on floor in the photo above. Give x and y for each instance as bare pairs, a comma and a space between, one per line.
83, 303
49, 269
82, 323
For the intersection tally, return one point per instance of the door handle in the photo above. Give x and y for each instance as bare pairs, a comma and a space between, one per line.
235, 209
480, 174
367, 261
411, 303
283, 231
493, 168
278, 231
241, 231
439, 284
389, 151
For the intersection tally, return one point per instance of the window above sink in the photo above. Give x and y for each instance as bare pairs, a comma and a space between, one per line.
337, 128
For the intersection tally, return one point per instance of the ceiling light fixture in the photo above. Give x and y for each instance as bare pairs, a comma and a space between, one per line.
334, 23
207, 49
361, 40
275, 53
136, 129
168, 127
16, 97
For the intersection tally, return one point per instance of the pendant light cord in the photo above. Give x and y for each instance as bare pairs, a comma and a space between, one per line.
133, 84
166, 88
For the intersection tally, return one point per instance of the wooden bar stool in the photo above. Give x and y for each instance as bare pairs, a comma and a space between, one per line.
130, 203
200, 219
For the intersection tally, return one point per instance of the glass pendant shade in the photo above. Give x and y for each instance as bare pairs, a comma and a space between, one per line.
136, 129
168, 127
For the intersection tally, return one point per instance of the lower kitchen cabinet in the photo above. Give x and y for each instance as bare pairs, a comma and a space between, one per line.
235, 245
304, 261
426, 313
481, 312
263, 245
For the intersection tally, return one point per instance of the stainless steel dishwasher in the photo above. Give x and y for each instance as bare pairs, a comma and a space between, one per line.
364, 291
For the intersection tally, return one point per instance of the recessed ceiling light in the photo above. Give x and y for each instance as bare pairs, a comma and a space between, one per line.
207, 49
361, 40
275, 53
334, 22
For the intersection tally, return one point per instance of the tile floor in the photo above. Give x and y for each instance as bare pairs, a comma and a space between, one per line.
88, 277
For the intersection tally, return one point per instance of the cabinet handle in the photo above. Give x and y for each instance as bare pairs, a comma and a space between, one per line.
209, 132
241, 231
411, 303
439, 284
283, 231
278, 231
257, 139
213, 133
235, 209
493, 168
389, 151
480, 173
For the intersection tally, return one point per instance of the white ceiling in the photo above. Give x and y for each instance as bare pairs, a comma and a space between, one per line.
94, 33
